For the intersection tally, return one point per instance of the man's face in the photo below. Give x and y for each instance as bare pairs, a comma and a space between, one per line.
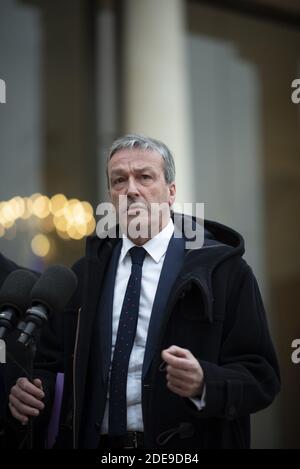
139, 175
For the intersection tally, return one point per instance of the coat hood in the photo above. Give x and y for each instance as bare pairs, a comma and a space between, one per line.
220, 244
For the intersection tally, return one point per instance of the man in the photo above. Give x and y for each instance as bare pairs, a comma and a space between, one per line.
169, 346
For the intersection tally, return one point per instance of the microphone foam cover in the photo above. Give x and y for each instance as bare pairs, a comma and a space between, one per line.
16, 290
55, 288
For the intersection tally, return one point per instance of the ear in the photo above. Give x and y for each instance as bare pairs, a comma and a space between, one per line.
172, 193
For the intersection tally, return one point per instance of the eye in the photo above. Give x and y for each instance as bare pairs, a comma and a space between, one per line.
117, 181
146, 176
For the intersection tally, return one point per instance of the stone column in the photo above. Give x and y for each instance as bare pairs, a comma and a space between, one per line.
155, 98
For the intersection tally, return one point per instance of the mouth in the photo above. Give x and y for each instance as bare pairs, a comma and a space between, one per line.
134, 207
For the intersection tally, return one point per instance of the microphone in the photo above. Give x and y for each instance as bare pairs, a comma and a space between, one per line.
15, 298
50, 294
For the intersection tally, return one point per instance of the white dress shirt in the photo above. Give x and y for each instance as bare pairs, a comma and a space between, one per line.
156, 251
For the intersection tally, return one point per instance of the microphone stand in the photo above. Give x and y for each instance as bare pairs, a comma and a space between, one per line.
29, 350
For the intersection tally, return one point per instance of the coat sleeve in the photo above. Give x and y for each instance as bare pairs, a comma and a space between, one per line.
246, 378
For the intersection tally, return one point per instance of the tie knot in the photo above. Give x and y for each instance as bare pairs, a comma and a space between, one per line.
137, 255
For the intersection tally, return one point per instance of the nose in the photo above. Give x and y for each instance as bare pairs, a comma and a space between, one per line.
132, 189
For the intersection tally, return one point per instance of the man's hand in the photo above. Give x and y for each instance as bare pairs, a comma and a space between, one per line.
25, 399
184, 373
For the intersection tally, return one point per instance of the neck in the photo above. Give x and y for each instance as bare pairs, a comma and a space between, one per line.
140, 241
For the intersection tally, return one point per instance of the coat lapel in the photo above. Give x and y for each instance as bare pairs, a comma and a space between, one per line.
103, 328
170, 270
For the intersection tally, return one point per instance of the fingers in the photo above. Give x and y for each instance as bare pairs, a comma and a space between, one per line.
190, 382
184, 372
38, 383
21, 418
185, 389
25, 399
178, 351
24, 385
23, 409
179, 383
178, 358
181, 375
178, 390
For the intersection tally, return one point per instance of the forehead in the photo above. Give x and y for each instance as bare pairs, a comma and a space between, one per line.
130, 159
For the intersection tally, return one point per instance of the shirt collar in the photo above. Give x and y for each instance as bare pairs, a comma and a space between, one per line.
156, 247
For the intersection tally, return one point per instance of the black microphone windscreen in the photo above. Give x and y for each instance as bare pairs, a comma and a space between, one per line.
16, 289
55, 288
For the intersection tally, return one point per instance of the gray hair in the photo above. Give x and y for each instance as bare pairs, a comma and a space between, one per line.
132, 141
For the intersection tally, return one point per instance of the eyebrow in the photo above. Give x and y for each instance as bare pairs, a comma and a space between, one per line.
137, 170
144, 168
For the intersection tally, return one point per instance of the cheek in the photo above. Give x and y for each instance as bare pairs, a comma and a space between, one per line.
165, 194
158, 195
114, 198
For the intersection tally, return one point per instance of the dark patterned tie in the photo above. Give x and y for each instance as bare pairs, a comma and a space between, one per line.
124, 343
